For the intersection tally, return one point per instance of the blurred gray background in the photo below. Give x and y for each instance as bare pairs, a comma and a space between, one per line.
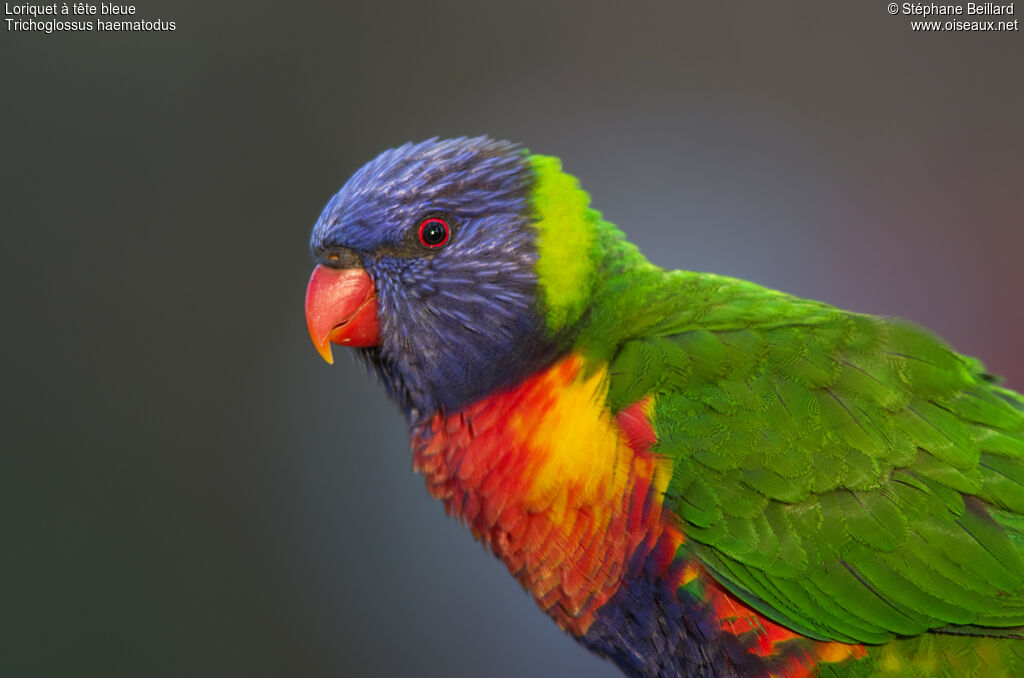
188, 490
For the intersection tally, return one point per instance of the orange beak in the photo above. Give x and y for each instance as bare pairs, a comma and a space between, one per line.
341, 308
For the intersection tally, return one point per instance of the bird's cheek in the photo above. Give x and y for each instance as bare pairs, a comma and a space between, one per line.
341, 308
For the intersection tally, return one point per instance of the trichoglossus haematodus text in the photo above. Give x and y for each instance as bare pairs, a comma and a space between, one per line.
693, 475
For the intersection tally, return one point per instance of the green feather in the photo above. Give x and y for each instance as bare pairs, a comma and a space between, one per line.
849, 476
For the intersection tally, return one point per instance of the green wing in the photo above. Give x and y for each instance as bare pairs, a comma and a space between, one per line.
846, 475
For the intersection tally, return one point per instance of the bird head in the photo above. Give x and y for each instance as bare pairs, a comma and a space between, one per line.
453, 267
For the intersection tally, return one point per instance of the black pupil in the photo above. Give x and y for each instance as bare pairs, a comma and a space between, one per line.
434, 233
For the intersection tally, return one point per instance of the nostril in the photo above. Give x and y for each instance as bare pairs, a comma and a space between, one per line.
339, 257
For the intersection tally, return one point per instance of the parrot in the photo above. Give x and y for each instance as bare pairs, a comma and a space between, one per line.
691, 474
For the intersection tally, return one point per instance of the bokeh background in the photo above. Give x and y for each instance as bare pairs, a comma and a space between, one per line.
188, 490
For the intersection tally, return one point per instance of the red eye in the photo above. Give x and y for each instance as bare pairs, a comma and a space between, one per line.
434, 232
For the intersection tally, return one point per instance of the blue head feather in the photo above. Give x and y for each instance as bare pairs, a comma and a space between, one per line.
462, 320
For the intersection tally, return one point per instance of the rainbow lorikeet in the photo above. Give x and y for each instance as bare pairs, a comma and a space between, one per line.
693, 475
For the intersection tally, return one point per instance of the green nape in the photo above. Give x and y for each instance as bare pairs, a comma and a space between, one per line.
591, 276
599, 286
566, 242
